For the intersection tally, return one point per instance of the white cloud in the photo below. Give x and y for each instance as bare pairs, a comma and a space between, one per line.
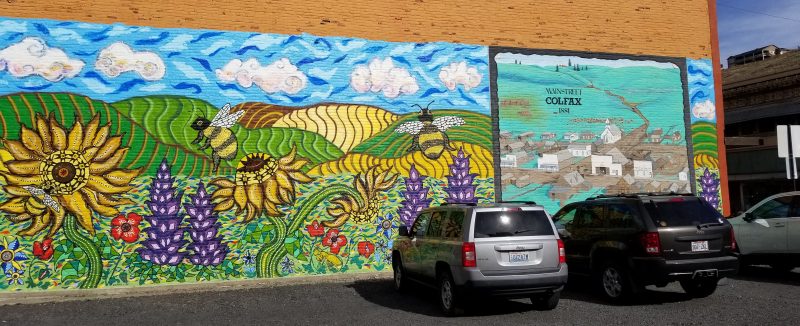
118, 58
279, 76
32, 56
459, 73
383, 76
704, 110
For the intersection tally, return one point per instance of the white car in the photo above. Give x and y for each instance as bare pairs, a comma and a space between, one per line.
769, 232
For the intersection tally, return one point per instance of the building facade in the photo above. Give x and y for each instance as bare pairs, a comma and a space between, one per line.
145, 143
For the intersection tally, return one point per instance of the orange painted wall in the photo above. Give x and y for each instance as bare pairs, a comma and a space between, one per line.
677, 28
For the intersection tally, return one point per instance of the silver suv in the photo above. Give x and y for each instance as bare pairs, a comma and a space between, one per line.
505, 250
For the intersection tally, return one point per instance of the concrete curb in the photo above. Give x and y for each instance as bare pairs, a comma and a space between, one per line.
32, 297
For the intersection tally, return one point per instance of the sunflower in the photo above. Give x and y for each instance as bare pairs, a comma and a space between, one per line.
261, 184
366, 208
55, 172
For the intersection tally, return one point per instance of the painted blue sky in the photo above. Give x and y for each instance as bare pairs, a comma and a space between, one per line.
745, 25
278, 69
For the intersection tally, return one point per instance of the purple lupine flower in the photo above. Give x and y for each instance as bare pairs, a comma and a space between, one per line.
165, 234
207, 246
460, 187
709, 184
416, 197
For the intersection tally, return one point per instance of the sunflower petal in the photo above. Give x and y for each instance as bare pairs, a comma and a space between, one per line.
286, 195
31, 140
222, 193
299, 177
91, 199
75, 140
37, 225
16, 191
102, 167
271, 191
336, 222
23, 167
97, 183
89, 153
90, 131
295, 166
222, 182
19, 218
18, 150
240, 196
44, 133
17, 180
122, 177
14, 206
102, 135
255, 196
286, 160
250, 213
111, 201
109, 147
59, 135
271, 209
77, 205
283, 180
58, 220
224, 206
34, 207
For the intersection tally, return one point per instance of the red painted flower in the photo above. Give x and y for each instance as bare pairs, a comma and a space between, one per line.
334, 240
315, 230
43, 250
366, 248
126, 228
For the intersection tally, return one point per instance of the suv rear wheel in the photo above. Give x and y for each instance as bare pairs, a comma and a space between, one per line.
547, 301
699, 288
400, 279
448, 300
614, 282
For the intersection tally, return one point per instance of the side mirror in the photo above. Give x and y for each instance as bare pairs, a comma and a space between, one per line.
403, 231
749, 217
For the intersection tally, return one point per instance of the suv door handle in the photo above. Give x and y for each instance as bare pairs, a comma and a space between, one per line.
779, 225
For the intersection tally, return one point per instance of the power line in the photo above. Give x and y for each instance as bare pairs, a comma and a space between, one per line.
758, 12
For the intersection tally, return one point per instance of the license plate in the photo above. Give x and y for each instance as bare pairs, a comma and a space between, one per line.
699, 245
518, 257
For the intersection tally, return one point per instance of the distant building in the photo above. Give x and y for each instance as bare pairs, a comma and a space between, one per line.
617, 156
505, 134
643, 169
525, 136
656, 135
587, 135
759, 54
548, 135
508, 161
515, 146
604, 165
573, 179
570, 137
611, 134
580, 150
553, 162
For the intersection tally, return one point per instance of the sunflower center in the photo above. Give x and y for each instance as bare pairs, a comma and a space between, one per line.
255, 168
64, 172
6, 256
126, 227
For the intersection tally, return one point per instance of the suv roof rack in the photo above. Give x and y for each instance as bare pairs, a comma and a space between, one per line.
640, 194
526, 202
449, 204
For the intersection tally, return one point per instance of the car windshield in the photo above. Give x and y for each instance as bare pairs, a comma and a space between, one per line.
689, 211
512, 223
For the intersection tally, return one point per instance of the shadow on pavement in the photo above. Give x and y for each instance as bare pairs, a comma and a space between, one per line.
768, 274
423, 300
581, 289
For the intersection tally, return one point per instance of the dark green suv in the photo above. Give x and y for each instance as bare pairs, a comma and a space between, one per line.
626, 242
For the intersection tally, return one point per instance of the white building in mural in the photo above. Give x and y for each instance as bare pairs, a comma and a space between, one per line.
642, 169
580, 150
553, 162
611, 134
684, 175
508, 161
604, 165
570, 136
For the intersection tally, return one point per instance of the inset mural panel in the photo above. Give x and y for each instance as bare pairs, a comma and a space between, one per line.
704, 130
574, 125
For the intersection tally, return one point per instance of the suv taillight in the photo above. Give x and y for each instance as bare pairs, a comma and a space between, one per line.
733, 240
651, 243
468, 256
562, 255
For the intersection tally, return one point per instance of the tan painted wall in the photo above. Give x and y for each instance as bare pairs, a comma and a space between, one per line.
678, 28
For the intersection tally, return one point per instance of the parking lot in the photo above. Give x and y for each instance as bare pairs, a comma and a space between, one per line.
758, 295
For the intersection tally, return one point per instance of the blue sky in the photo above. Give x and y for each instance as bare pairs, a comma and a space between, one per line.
741, 29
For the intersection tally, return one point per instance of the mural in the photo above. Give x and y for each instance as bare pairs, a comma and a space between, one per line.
135, 155
574, 126
704, 130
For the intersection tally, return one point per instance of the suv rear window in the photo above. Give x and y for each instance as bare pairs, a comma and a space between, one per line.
511, 223
682, 212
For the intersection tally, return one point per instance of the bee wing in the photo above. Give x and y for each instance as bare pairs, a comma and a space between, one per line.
224, 119
413, 127
446, 122
49, 201
34, 191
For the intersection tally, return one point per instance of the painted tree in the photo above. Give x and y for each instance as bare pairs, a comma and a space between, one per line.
460, 183
415, 197
165, 234
709, 184
206, 242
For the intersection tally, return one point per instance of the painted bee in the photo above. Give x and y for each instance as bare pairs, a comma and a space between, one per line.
217, 135
429, 136
43, 197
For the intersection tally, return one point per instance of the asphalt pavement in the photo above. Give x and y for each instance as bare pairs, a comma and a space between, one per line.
758, 295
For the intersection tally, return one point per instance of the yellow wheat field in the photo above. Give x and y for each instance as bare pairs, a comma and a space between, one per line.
705, 160
481, 163
344, 125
